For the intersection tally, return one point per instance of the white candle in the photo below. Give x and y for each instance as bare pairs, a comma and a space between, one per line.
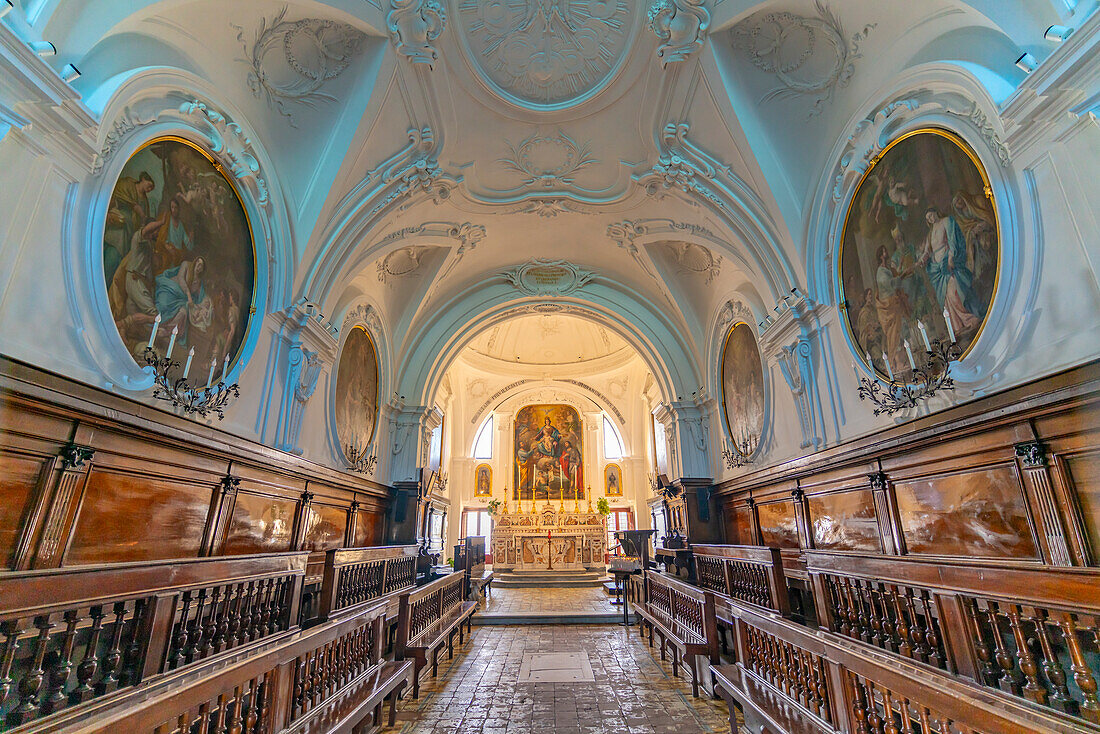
225, 368
909, 354
156, 325
950, 326
889, 369
924, 336
187, 367
172, 342
210, 375
870, 362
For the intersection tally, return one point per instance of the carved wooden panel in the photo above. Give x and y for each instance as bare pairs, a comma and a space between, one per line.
969, 513
1084, 474
325, 527
125, 517
259, 524
368, 528
778, 526
844, 521
18, 479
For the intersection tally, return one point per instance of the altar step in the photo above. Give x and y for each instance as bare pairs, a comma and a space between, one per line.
555, 580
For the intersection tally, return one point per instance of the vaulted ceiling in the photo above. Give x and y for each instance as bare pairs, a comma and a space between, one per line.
665, 155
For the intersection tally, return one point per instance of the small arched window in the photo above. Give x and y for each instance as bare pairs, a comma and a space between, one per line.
612, 443
483, 444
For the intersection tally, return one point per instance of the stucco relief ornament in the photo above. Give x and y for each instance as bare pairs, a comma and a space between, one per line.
290, 61
548, 277
681, 26
547, 52
401, 263
548, 161
697, 259
414, 27
810, 55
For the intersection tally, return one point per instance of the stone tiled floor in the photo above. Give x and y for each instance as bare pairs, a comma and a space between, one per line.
634, 692
586, 600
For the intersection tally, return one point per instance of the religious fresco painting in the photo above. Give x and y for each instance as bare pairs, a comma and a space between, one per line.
778, 527
549, 464
743, 388
356, 392
976, 514
177, 244
483, 481
920, 246
613, 480
844, 521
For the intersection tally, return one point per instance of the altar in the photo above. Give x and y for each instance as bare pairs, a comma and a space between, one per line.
549, 541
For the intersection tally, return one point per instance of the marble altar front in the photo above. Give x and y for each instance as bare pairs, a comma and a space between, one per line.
549, 541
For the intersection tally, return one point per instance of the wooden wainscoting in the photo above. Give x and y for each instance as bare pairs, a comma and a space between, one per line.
1012, 479
89, 477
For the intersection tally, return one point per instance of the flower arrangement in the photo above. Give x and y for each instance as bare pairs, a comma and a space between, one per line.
602, 506
493, 506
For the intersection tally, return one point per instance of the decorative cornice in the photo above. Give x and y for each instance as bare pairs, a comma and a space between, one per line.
681, 26
414, 27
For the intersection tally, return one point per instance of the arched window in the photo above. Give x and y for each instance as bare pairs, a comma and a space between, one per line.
612, 444
483, 444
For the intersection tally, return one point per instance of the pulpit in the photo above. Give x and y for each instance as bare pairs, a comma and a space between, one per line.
549, 541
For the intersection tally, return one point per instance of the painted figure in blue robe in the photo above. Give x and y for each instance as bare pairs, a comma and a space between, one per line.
181, 297
944, 257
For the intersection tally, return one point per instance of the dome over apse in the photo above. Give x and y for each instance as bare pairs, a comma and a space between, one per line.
547, 53
547, 339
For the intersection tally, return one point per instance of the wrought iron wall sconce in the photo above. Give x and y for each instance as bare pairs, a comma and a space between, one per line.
201, 401
359, 461
934, 376
742, 453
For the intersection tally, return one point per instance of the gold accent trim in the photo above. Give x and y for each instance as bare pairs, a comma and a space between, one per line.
722, 380
987, 189
244, 210
477, 470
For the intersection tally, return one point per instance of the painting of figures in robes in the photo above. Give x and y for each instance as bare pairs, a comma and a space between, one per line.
743, 388
613, 480
177, 243
920, 246
549, 464
483, 481
356, 393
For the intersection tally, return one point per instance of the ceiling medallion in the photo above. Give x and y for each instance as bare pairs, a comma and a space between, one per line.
546, 53
548, 277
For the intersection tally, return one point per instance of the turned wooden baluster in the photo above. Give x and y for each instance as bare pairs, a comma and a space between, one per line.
210, 625
864, 616
1033, 690
62, 667
1060, 698
1082, 674
259, 604
244, 618
196, 630
180, 638
931, 637
874, 721
874, 601
891, 725
902, 624
853, 609
889, 631
859, 704
113, 658
907, 718
925, 724
89, 666
220, 714
221, 626
252, 712
235, 722
234, 622
265, 608
1008, 681
987, 670
11, 632
31, 682
916, 630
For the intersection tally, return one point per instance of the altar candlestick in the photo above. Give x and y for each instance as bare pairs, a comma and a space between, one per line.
950, 326
225, 369
909, 354
889, 369
172, 342
187, 367
924, 336
156, 325
210, 375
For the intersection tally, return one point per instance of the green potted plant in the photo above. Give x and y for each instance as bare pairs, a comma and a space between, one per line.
493, 507
603, 507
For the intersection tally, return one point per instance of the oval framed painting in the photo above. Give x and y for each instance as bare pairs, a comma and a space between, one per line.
483, 481
177, 243
743, 389
613, 480
920, 251
356, 393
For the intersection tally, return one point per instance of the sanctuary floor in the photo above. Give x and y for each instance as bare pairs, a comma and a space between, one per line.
549, 601
622, 687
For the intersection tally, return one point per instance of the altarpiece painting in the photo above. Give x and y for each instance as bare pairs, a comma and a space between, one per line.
549, 463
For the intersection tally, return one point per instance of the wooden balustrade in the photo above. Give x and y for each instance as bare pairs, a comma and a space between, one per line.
1033, 633
326, 678
354, 576
428, 618
822, 682
72, 635
747, 573
682, 616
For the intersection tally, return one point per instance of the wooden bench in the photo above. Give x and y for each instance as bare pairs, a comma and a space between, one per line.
683, 617
429, 617
358, 576
761, 704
